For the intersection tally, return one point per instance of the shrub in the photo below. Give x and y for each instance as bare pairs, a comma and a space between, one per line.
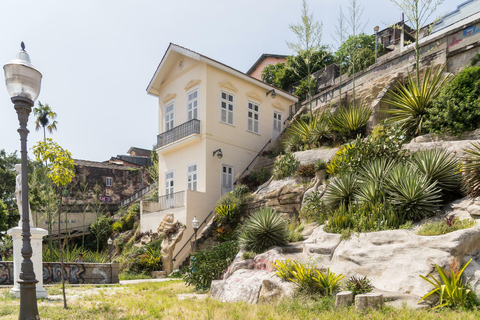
414, 194
312, 281
412, 100
350, 121
306, 170
150, 261
382, 143
226, 220
263, 229
444, 226
308, 132
455, 110
70, 254
358, 285
285, 166
451, 289
248, 255
314, 209
439, 166
471, 168
209, 264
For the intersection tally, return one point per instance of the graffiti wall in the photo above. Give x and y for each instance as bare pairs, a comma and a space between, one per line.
75, 273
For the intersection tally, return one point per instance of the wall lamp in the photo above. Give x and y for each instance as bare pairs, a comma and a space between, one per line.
219, 153
272, 92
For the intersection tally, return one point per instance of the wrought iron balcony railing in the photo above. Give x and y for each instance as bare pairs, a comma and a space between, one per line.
179, 132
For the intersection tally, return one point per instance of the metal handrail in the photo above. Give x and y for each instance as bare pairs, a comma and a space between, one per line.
258, 154
189, 239
179, 132
172, 200
138, 194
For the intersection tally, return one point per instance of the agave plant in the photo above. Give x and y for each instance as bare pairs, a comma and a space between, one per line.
440, 166
307, 132
412, 99
414, 193
471, 168
350, 121
341, 190
263, 229
372, 176
358, 285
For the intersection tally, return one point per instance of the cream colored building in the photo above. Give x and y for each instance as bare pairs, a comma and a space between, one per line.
213, 120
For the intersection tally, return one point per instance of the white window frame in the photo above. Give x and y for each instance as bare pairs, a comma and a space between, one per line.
193, 172
221, 177
276, 120
253, 114
227, 111
172, 179
172, 120
198, 104
107, 180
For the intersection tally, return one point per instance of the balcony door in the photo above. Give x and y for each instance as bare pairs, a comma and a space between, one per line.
227, 178
169, 190
169, 113
277, 124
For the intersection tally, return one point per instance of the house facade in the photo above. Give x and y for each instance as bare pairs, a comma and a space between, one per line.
213, 120
265, 60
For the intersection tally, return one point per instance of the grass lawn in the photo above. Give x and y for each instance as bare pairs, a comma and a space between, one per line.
159, 301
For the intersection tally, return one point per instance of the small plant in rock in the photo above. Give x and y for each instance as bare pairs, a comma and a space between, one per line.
263, 229
248, 255
306, 170
350, 121
284, 268
320, 165
312, 281
449, 224
450, 288
285, 166
255, 178
358, 285
313, 209
471, 171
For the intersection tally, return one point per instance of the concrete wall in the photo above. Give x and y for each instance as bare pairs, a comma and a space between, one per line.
74, 273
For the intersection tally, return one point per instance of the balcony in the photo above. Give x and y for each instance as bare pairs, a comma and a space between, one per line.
179, 132
172, 200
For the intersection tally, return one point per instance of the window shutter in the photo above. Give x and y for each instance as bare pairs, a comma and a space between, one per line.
224, 115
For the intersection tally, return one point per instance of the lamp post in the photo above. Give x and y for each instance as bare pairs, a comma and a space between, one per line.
376, 40
195, 226
23, 85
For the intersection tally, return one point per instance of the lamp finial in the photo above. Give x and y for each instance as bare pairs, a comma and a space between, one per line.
22, 45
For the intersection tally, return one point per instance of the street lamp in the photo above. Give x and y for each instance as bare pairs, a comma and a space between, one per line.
376, 40
195, 226
23, 85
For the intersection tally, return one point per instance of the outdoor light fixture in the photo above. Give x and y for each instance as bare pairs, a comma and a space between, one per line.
219, 153
272, 92
110, 241
195, 226
23, 85
376, 28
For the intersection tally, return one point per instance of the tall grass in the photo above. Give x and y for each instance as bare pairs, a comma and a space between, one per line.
69, 255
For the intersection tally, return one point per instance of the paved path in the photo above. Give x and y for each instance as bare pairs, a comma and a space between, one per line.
147, 280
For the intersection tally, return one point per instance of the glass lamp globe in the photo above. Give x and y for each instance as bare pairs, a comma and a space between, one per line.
21, 77
195, 223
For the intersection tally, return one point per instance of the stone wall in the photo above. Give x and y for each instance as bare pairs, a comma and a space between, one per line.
74, 273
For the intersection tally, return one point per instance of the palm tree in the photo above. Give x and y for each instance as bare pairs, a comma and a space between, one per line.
44, 115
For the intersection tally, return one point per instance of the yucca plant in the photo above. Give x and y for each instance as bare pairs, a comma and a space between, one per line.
412, 192
372, 177
307, 132
451, 288
471, 171
413, 98
341, 190
350, 121
284, 268
440, 166
263, 229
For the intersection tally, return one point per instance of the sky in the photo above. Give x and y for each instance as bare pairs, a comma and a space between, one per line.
98, 56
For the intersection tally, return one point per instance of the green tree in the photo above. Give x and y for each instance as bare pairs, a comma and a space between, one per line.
418, 12
3, 218
60, 170
340, 31
101, 229
364, 47
153, 168
309, 36
7, 185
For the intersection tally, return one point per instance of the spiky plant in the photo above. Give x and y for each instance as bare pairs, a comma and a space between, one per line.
471, 171
341, 190
412, 99
306, 132
263, 229
412, 192
358, 285
350, 121
440, 166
